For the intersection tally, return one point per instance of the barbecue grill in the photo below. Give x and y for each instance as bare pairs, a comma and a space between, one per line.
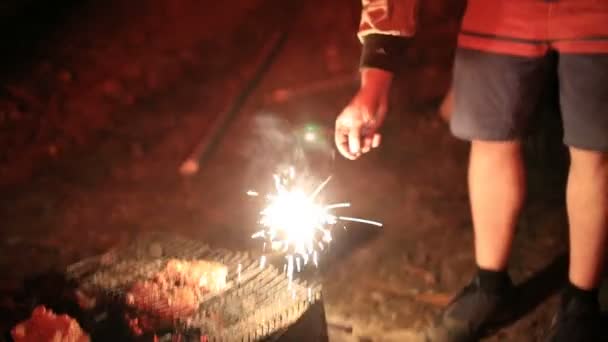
259, 302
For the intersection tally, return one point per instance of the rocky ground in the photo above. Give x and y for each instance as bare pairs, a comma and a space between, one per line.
97, 114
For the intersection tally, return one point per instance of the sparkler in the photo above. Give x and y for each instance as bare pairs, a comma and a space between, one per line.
297, 223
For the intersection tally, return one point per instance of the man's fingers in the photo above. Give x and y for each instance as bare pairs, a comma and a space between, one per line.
341, 139
367, 144
341, 133
376, 140
354, 139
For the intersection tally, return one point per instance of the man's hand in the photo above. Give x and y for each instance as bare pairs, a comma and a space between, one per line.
357, 125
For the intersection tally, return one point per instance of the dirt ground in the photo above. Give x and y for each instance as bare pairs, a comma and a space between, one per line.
95, 122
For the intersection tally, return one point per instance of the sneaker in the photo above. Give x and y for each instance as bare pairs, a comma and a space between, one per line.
577, 322
471, 313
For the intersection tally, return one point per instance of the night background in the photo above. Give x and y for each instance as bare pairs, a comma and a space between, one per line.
102, 101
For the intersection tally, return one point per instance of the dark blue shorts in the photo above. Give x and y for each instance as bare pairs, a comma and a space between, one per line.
495, 96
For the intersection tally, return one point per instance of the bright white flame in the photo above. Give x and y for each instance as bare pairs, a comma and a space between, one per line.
297, 223
293, 221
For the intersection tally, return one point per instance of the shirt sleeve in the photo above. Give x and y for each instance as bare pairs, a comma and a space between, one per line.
383, 31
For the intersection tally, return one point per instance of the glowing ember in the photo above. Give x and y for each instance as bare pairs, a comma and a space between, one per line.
297, 223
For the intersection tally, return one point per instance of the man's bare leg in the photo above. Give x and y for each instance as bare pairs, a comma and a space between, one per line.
496, 190
587, 200
578, 318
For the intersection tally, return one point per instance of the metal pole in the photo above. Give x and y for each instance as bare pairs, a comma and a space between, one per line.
205, 144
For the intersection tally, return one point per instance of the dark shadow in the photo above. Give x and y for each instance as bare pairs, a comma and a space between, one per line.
25, 26
350, 239
537, 289
312, 326
541, 286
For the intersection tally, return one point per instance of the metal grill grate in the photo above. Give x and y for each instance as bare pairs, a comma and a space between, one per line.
257, 302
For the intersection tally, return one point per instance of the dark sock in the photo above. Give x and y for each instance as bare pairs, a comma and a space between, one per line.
493, 281
581, 295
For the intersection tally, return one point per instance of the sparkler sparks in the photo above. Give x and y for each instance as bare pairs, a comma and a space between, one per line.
297, 223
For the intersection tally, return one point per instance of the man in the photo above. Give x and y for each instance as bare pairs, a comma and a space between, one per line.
499, 72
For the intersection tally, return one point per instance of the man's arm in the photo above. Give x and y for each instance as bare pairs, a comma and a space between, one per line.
383, 28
